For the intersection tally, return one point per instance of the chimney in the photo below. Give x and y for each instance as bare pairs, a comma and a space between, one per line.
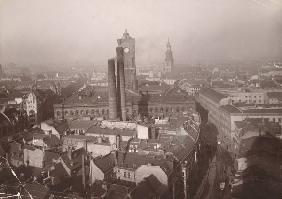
120, 66
112, 90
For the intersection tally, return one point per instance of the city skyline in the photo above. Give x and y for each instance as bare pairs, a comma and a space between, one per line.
85, 32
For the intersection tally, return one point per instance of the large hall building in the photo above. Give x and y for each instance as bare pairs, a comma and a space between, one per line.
124, 99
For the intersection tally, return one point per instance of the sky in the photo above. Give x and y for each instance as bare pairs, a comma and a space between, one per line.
85, 31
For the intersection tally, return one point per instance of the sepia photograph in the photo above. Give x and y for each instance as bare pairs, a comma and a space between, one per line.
140, 99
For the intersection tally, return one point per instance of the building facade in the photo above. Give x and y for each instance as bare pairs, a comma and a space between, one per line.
128, 43
168, 58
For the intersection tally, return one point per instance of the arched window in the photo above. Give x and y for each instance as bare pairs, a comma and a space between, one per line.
71, 112
81, 112
103, 111
166, 109
76, 112
86, 112
66, 112
92, 111
58, 113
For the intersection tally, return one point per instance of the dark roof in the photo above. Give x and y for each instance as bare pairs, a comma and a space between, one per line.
105, 163
230, 109
277, 95
212, 94
59, 171
81, 124
134, 160
49, 157
117, 192
37, 191
263, 110
148, 188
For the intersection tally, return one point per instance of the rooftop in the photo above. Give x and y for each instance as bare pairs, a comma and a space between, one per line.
107, 131
212, 94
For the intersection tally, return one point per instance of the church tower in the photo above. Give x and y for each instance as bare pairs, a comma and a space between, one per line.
128, 44
168, 58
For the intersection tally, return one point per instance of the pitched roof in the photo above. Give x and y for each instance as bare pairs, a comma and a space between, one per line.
212, 94
230, 109
105, 163
134, 160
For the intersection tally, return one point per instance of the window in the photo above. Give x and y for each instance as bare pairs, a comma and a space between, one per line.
128, 174
124, 174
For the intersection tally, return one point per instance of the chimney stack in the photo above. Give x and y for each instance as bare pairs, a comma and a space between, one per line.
112, 90
120, 71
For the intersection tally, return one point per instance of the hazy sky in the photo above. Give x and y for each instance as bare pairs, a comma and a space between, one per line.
85, 31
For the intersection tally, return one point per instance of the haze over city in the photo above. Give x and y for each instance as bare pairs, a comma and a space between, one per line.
69, 31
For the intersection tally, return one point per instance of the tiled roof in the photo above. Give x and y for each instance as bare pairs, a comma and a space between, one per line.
105, 163
212, 94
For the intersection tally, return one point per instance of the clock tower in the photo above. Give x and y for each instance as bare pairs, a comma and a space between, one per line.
128, 44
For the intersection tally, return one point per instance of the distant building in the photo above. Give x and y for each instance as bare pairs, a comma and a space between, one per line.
223, 115
168, 58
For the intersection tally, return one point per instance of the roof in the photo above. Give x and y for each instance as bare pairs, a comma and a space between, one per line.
212, 94
49, 157
264, 110
81, 124
107, 131
105, 163
81, 137
37, 191
277, 95
117, 192
59, 171
149, 187
59, 125
230, 109
134, 160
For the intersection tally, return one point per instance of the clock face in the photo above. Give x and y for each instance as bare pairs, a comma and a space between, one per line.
126, 50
